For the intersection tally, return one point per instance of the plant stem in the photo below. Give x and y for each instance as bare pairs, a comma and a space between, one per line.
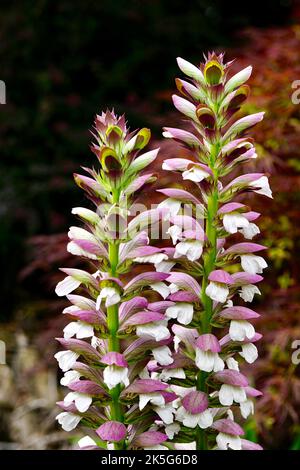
116, 412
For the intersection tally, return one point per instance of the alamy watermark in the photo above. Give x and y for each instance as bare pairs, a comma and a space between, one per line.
296, 354
2, 92
296, 94
2, 352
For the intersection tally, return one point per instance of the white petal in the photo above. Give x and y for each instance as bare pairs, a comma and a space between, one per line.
114, 375
71, 329
156, 330
232, 364
66, 359
154, 398
239, 330
69, 377
163, 355
232, 222
164, 266
249, 352
155, 259
84, 331
173, 205
165, 413
76, 250
195, 174
86, 441
217, 291
66, 286
248, 291
205, 360
239, 394
226, 395
167, 374
183, 311
172, 429
68, 421
192, 249
263, 185
83, 402
247, 408
253, 264
175, 233
226, 440
205, 419
161, 288
250, 231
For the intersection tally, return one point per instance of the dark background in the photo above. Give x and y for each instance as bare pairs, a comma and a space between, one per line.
64, 61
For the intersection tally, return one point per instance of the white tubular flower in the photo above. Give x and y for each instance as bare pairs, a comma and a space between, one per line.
253, 264
111, 296
217, 291
249, 352
154, 259
173, 206
250, 231
232, 364
247, 408
161, 288
183, 311
163, 355
203, 420
157, 330
175, 233
66, 286
86, 441
195, 174
81, 400
248, 291
155, 398
68, 421
192, 249
234, 221
208, 361
66, 359
172, 429
230, 393
114, 375
225, 441
166, 412
263, 187
78, 328
240, 330
69, 377
167, 374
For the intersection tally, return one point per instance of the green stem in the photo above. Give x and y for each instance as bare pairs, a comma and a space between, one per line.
207, 303
116, 411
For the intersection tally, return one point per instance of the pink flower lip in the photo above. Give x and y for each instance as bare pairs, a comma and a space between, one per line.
227, 426
112, 431
208, 342
231, 377
195, 402
114, 358
219, 275
238, 313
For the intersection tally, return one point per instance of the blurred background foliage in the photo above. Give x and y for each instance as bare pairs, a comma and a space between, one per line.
64, 61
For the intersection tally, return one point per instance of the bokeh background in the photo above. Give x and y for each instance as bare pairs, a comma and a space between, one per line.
64, 61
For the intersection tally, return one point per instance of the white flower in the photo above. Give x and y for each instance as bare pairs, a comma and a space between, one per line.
69, 377
68, 421
85, 442
253, 264
233, 221
78, 328
155, 398
195, 174
66, 359
247, 408
157, 330
173, 288
192, 249
163, 355
156, 258
114, 375
111, 296
161, 288
173, 206
203, 420
240, 330
164, 266
249, 352
183, 311
208, 361
232, 364
230, 393
167, 374
263, 187
250, 231
185, 446
166, 412
66, 286
76, 250
248, 291
175, 233
82, 400
225, 441
172, 429
217, 291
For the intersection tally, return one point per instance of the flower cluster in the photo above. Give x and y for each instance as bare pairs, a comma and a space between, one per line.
211, 276
114, 329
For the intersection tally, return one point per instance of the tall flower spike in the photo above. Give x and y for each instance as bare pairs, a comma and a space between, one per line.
204, 290
115, 331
